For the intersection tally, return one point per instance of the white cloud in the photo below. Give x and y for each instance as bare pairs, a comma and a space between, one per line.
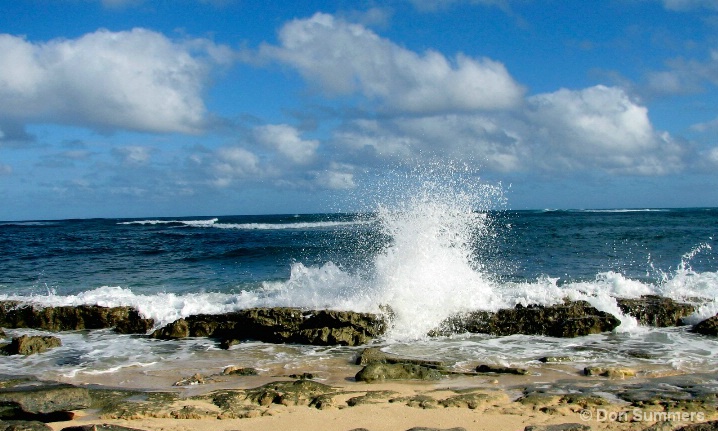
599, 127
136, 80
343, 59
286, 140
133, 154
594, 128
337, 177
235, 163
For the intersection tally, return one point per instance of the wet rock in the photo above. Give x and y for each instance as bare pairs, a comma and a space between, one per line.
239, 371
555, 359
30, 345
378, 371
707, 327
14, 314
196, 379
280, 325
570, 319
501, 370
559, 427
657, 311
372, 355
44, 403
303, 376
610, 372
23, 426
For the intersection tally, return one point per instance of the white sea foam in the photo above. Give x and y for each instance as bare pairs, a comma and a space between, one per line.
214, 223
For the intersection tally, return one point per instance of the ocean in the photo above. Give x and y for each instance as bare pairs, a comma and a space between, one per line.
427, 256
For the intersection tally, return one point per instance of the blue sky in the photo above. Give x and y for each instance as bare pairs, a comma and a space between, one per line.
135, 108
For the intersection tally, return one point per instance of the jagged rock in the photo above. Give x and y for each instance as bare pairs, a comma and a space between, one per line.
707, 327
372, 355
14, 314
657, 311
45, 403
559, 427
279, 325
378, 371
30, 344
501, 370
570, 319
24, 426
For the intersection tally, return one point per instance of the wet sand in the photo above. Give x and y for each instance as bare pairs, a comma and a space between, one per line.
550, 394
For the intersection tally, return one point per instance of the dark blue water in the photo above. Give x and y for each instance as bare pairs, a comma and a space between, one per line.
426, 261
235, 253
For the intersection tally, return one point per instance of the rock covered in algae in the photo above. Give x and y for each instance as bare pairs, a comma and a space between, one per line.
30, 345
566, 320
378, 371
126, 320
280, 325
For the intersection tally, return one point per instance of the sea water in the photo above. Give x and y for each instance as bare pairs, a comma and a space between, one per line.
433, 250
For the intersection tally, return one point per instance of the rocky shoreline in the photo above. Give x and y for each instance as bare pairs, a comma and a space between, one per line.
29, 404
616, 391
348, 328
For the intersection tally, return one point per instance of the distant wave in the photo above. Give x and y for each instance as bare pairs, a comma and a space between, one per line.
197, 223
626, 210
213, 223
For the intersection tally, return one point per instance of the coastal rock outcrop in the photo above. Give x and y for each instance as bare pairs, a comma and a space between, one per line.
43, 403
652, 310
569, 319
707, 327
378, 371
30, 344
279, 325
125, 320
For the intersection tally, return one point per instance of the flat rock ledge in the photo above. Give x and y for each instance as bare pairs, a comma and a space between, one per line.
567, 320
280, 325
125, 320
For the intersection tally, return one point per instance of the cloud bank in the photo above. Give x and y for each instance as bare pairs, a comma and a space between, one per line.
133, 80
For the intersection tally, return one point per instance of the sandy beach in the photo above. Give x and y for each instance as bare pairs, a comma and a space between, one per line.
550, 394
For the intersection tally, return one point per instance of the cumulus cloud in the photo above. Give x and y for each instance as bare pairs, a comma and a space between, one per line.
600, 127
343, 59
235, 163
567, 130
136, 80
287, 142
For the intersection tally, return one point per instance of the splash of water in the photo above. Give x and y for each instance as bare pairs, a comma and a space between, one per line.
429, 270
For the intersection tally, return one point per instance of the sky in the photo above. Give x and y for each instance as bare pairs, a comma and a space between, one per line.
150, 108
